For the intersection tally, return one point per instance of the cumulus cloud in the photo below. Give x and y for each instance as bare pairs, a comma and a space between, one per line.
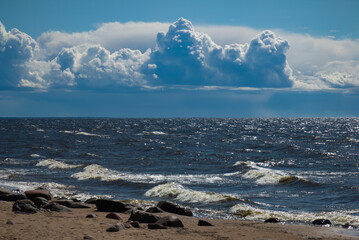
131, 54
184, 56
16, 48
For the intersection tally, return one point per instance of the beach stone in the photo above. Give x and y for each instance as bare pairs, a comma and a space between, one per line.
204, 223
133, 209
91, 201
25, 206
92, 215
32, 194
7, 195
11, 197
40, 201
87, 237
71, 204
114, 216
105, 205
348, 226
116, 227
154, 210
55, 207
10, 222
134, 224
272, 220
156, 226
172, 207
170, 221
321, 222
143, 217
4, 191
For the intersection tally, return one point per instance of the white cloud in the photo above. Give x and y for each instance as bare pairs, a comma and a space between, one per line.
183, 55
112, 36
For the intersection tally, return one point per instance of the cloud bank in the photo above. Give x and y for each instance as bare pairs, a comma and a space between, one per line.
119, 55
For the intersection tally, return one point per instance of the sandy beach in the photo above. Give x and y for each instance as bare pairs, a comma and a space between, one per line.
75, 225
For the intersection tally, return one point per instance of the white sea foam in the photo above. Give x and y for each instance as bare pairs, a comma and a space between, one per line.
95, 171
183, 194
253, 213
56, 189
264, 175
158, 133
84, 133
53, 164
34, 155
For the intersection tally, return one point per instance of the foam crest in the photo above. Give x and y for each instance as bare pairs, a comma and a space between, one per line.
53, 164
180, 193
84, 133
253, 213
265, 175
95, 171
56, 189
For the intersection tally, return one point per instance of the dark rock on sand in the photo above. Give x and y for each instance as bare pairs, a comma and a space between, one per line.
92, 215
204, 223
114, 216
272, 220
40, 201
144, 217
156, 226
154, 210
91, 201
32, 194
87, 237
25, 206
71, 204
170, 221
134, 224
7, 195
106, 205
174, 208
4, 191
321, 222
55, 207
116, 227
348, 226
10, 222
12, 197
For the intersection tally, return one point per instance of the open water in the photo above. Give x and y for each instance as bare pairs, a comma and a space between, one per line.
296, 169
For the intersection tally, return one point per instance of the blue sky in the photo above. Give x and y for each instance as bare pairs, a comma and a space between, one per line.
179, 59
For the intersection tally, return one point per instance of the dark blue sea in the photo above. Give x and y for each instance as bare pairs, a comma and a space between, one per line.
296, 169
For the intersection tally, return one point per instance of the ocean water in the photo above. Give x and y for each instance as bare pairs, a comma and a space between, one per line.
296, 169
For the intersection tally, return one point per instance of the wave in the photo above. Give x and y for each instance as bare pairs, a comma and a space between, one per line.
57, 190
84, 133
266, 175
253, 213
53, 164
180, 193
95, 171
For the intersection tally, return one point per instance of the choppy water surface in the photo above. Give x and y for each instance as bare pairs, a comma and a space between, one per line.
293, 169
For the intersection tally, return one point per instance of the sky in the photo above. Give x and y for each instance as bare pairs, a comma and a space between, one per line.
196, 58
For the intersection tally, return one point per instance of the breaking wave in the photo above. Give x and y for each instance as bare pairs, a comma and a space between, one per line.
264, 175
95, 171
180, 193
84, 133
253, 213
53, 164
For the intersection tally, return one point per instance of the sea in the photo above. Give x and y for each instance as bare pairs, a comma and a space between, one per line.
294, 169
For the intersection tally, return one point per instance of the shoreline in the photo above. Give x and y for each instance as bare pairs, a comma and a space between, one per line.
75, 225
